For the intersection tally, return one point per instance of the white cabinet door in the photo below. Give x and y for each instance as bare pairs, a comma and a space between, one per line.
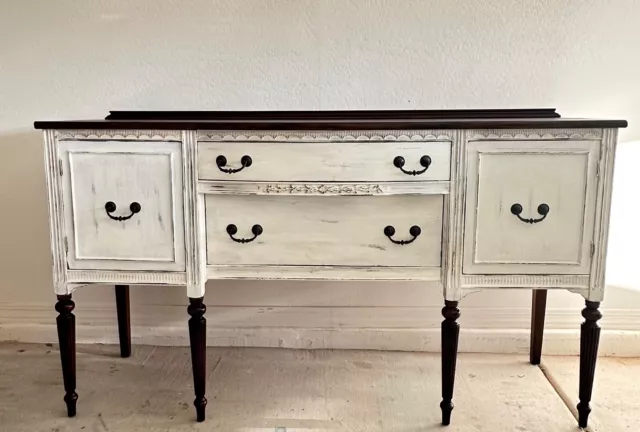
123, 205
530, 207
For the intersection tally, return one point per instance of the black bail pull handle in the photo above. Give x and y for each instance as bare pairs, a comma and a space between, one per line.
415, 231
233, 230
221, 162
110, 207
399, 162
543, 210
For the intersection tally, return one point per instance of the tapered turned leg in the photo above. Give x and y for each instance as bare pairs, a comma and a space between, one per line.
450, 332
66, 323
538, 308
198, 339
124, 319
589, 339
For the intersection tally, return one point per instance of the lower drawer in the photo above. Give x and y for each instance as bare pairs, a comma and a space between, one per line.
346, 231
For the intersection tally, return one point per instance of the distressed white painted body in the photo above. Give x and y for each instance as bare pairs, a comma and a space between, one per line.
323, 200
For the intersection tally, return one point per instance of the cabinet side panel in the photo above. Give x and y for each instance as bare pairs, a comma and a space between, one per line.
453, 216
603, 209
189, 172
56, 212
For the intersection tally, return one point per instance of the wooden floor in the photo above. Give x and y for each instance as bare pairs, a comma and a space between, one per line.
279, 390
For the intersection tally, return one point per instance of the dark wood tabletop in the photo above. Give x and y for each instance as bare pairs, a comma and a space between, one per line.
335, 120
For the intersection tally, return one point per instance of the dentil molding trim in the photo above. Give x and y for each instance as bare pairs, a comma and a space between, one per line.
326, 136
122, 135
134, 277
527, 134
525, 281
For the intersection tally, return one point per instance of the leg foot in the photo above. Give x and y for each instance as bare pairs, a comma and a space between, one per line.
198, 339
450, 333
66, 323
589, 339
538, 308
124, 319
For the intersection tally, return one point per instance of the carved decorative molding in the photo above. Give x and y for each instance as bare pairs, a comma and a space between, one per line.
322, 189
126, 277
122, 135
525, 281
327, 136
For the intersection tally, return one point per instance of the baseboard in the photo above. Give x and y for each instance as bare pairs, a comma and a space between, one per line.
404, 329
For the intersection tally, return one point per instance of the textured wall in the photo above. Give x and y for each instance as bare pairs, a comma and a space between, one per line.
70, 59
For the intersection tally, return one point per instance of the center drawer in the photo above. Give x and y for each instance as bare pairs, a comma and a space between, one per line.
325, 161
345, 231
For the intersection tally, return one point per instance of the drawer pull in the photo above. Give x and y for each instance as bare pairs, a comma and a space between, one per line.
425, 161
232, 230
110, 207
543, 210
415, 231
221, 161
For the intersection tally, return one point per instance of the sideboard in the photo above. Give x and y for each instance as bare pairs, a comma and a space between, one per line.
466, 199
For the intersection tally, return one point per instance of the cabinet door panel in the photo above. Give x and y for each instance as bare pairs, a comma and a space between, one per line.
530, 207
123, 205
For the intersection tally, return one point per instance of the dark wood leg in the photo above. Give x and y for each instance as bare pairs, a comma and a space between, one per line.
198, 339
589, 339
538, 309
66, 322
124, 319
450, 332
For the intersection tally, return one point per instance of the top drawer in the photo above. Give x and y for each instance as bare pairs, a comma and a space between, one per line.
324, 161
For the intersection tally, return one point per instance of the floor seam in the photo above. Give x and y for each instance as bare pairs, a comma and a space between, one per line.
569, 403
149, 356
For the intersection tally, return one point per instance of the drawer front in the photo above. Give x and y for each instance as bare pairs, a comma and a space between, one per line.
530, 207
123, 205
325, 161
345, 231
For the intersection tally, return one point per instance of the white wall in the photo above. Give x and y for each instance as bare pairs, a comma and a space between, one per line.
71, 59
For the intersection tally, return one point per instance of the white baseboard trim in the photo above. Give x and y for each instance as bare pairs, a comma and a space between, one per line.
616, 343
228, 326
